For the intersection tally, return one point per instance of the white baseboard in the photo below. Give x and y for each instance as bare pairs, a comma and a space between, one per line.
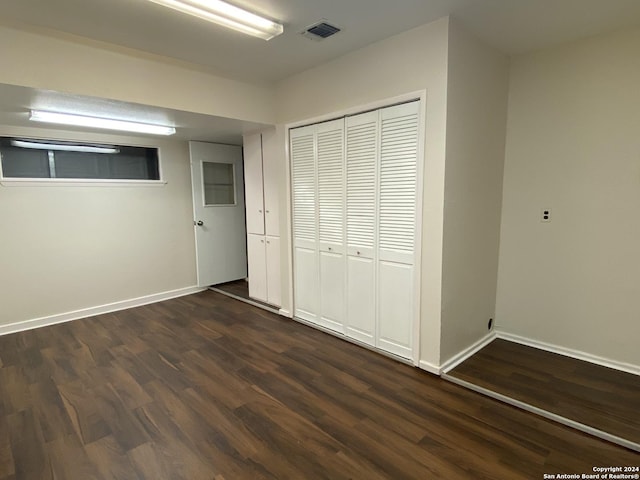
429, 367
99, 310
569, 352
457, 359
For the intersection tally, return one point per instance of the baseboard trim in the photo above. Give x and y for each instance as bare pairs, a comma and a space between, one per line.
568, 352
99, 310
544, 413
429, 367
285, 313
457, 359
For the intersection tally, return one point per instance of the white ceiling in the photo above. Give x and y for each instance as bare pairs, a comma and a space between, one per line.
513, 26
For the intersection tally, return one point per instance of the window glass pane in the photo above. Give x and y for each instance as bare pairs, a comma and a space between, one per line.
127, 163
23, 163
218, 183
78, 165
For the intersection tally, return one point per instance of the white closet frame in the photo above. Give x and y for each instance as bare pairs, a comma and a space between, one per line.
420, 95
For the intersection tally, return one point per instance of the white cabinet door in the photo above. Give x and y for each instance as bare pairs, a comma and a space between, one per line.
256, 256
252, 150
361, 311
273, 171
274, 289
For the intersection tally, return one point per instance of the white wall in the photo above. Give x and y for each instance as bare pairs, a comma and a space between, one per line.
65, 63
573, 144
476, 121
69, 248
411, 61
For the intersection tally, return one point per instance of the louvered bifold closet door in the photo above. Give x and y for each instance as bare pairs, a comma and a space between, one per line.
397, 184
361, 158
330, 149
305, 220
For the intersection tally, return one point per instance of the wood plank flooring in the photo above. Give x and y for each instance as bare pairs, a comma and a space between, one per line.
240, 289
600, 397
206, 387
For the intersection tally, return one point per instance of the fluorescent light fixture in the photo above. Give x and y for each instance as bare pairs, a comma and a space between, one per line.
66, 147
95, 122
229, 16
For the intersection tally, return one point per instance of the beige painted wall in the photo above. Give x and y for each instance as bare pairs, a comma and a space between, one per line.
411, 61
476, 121
69, 248
65, 63
573, 145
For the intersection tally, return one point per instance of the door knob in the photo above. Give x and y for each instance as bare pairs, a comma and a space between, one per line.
199, 223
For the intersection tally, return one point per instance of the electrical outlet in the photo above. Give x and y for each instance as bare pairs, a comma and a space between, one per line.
545, 215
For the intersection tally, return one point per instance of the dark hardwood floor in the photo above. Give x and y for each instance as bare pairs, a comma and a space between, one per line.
240, 289
206, 387
599, 397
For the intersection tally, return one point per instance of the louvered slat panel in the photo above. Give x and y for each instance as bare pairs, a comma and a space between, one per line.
361, 145
330, 184
398, 181
304, 188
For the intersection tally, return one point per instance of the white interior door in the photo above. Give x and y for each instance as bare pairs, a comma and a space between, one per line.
305, 219
219, 212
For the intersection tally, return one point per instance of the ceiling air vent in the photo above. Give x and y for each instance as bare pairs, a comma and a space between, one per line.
320, 31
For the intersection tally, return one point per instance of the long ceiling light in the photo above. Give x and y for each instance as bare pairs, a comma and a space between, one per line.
229, 16
96, 122
66, 147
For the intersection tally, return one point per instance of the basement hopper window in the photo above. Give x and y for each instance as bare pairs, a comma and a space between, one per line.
31, 159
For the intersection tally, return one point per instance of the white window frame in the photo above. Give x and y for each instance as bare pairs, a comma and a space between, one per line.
83, 182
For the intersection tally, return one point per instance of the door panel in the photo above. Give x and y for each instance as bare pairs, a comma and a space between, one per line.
332, 291
361, 315
306, 291
274, 296
219, 212
361, 160
398, 181
256, 250
253, 182
395, 308
273, 171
